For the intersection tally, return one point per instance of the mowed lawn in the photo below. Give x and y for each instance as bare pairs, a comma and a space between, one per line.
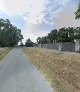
61, 69
4, 52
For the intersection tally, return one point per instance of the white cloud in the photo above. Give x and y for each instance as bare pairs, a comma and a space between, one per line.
34, 12
36, 30
67, 18
53, 8
13, 7
2, 6
33, 31
37, 10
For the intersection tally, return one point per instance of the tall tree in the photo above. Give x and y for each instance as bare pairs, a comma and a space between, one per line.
77, 33
77, 13
50, 40
54, 35
10, 35
66, 34
29, 43
39, 40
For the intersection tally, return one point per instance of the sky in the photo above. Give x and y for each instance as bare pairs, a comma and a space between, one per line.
37, 18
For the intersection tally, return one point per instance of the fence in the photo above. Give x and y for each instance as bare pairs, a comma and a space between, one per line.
67, 46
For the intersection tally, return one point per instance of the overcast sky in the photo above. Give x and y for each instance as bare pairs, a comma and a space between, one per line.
38, 17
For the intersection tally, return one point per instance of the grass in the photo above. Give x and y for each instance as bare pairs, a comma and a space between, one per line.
61, 69
4, 52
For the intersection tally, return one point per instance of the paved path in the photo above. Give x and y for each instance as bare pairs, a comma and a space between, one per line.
17, 74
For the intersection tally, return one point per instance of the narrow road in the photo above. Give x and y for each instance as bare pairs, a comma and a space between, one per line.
17, 74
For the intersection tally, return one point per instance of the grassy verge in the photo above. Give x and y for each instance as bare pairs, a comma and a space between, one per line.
4, 52
61, 69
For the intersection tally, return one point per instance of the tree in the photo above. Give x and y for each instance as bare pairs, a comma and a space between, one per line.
65, 34
50, 38
54, 35
77, 13
61, 35
10, 35
71, 32
39, 40
77, 33
29, 43
44, 40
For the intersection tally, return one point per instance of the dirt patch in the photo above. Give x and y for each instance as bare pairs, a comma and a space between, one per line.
61, 69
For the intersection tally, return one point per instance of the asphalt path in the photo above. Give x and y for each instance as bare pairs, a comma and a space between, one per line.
17, 74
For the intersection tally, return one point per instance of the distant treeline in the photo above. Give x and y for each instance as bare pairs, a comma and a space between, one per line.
62, 35
10, 35
69, 34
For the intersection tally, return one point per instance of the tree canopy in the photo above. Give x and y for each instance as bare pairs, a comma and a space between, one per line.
29, 43
10, 35
62, 35
77, 13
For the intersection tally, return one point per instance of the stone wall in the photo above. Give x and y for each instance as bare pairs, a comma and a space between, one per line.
67, 46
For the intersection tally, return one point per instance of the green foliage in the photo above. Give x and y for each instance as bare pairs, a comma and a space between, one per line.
52, 36
43, 40
65, 35
61, 35
10, 35
39, 40
77, 13
77, 33
29, 43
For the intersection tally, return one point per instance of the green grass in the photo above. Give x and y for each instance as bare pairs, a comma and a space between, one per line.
4, 52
